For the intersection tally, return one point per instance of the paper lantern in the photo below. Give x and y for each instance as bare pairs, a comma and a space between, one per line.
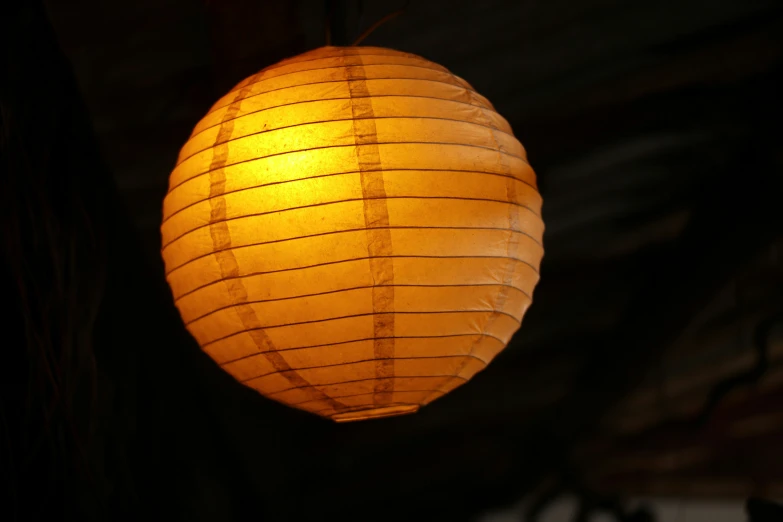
353, 232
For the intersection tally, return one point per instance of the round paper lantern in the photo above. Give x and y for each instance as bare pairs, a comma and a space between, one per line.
353, 232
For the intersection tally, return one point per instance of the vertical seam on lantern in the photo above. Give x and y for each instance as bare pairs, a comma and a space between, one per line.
511, 246
229, 268
376, 220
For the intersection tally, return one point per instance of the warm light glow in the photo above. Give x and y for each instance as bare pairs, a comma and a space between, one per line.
354, 232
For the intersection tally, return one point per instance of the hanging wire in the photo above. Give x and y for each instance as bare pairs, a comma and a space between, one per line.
328, 24
380, 22
360, 18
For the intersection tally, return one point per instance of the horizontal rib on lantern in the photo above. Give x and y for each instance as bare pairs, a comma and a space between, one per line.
354, 232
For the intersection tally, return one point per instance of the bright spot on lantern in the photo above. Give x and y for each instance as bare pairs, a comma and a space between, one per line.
353, 231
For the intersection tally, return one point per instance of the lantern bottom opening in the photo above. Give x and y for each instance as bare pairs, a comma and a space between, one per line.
375, 413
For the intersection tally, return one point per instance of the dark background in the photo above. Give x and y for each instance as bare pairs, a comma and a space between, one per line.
651, 362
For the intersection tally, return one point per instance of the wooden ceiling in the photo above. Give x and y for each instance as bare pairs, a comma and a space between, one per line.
654, 127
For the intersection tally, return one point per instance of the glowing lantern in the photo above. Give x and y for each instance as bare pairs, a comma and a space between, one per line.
354, 232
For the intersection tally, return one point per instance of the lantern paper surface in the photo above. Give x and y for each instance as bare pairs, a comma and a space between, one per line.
354, 232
